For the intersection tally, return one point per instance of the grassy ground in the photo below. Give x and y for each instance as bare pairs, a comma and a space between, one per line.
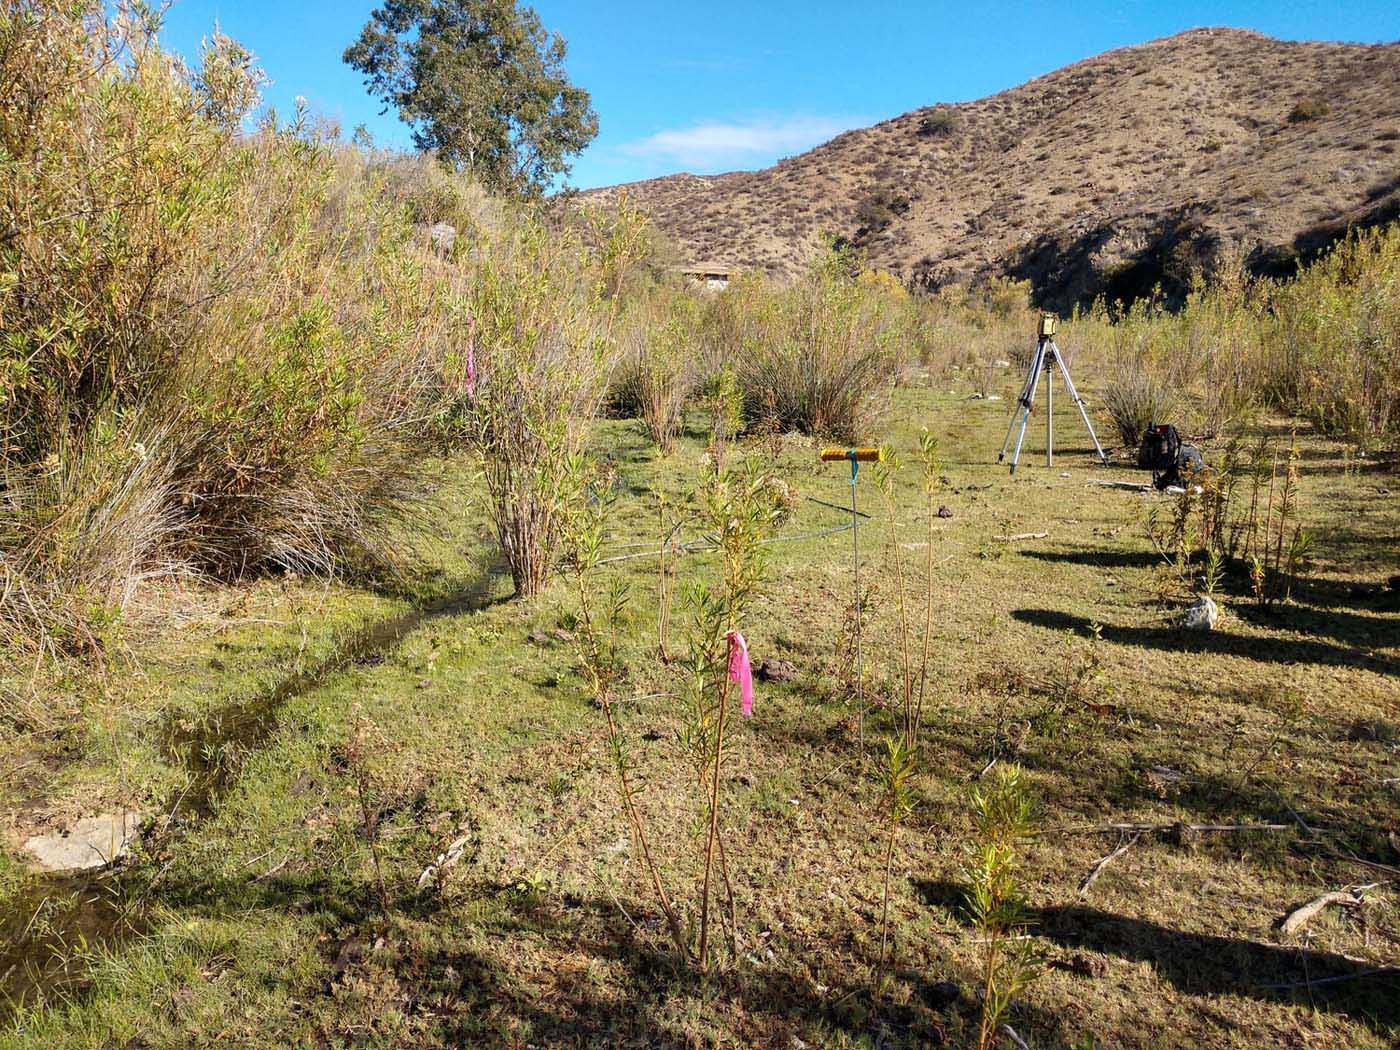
256, 738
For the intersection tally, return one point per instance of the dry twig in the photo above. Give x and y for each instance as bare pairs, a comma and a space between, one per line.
1125, 844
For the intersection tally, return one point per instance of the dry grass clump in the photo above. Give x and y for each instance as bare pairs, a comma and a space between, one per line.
1134, 400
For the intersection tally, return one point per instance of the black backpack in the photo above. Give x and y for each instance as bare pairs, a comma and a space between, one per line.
1168, 457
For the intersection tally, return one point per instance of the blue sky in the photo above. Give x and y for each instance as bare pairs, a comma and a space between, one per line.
715, 86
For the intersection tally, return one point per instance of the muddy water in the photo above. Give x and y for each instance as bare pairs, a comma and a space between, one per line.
49, 929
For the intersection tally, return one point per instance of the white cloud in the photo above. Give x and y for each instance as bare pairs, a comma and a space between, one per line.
716, 145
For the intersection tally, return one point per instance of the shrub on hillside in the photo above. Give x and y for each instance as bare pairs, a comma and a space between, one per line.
879, 208
941, 123
1306, 109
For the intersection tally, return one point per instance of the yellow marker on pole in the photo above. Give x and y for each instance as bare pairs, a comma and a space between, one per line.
856, 456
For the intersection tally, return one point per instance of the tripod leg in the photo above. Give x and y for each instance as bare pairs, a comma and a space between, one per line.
1049, 412
1026, 405
1074, 396
1020, 403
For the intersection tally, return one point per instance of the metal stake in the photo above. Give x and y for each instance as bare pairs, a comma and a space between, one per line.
856, 456
855, 551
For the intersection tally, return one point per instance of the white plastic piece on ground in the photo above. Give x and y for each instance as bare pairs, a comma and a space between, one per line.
91, 843
1201, 615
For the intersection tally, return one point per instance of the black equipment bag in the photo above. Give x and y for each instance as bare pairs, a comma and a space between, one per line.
1168, 457
1159, 448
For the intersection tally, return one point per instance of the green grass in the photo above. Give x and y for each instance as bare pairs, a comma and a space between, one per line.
253, 917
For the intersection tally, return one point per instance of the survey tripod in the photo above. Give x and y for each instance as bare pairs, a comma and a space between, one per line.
1045, 358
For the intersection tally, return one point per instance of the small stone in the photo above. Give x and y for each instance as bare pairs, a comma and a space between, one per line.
91, 843
559, 634
539, 637
945, 512
444, 236
1201, 615
777, 671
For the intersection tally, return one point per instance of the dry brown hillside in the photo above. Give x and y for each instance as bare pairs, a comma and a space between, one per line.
1111, 175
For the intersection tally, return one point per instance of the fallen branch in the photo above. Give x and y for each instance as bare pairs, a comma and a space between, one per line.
1301, 916
1174, 826
1010, 1033
1021, 536
1131, 486
1104, 862
1372, 972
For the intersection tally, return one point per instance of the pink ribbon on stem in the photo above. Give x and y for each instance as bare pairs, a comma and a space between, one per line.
739, 669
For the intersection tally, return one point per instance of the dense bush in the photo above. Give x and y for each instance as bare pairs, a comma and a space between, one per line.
1324, 346
879, 208
222, 352
942, 122
1312, 108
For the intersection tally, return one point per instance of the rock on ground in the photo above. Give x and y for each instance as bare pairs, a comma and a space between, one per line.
91, 843
777, 671
1201, 615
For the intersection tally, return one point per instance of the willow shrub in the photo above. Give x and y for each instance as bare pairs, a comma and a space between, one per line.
658, 366
221, 352
542, 355
1333, 347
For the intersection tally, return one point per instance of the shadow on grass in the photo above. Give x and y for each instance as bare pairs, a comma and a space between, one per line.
1169, 639
1099, 559
560, 971
1350, 628
1208, 965
214, 748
